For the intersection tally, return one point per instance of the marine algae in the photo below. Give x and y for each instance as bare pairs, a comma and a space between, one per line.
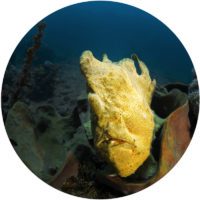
24, 78
122, 119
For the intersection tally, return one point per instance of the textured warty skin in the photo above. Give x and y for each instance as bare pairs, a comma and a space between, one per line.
121, 116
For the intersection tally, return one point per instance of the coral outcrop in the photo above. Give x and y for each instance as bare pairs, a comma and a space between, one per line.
121, 116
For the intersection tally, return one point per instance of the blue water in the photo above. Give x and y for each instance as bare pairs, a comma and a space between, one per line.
118, 30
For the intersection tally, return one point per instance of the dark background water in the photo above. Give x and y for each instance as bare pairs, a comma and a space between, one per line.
118, 30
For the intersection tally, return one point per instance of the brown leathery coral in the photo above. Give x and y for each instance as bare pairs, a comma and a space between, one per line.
122, 119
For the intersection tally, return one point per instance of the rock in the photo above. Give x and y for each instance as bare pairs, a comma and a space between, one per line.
43, 82
194, 103
48, 64
165, 102
120, 99
193, 94
194, 97
180, 86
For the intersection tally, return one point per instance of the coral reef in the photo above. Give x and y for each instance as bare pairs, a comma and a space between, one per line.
10, 78
53, 127
120, 99
43, 81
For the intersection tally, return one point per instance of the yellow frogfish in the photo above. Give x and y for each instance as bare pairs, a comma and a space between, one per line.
122, 120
